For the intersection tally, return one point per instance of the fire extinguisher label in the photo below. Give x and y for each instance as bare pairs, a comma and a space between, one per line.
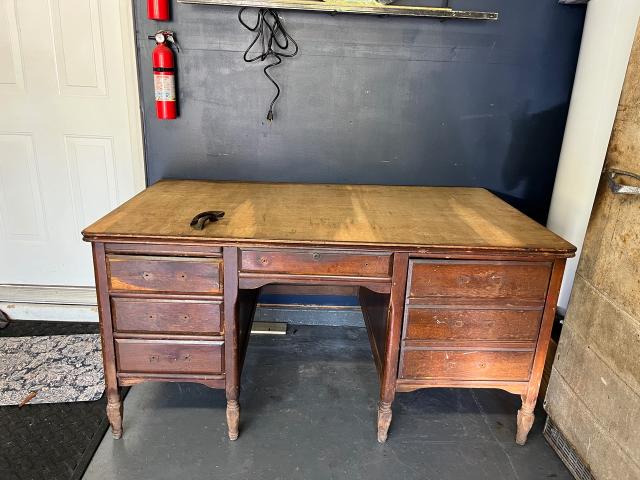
165, 88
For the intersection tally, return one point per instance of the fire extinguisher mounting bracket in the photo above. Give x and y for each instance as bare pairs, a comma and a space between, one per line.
162, 36
202, 218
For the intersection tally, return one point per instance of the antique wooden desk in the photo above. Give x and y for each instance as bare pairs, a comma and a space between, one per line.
458, 289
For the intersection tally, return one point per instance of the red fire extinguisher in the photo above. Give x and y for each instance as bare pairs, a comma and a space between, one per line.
164, 71
158, 9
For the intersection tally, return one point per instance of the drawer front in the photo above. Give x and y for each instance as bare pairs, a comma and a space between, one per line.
165, 274
316, 262
466, 365
170, 357
170, 316
479, 280
425, 323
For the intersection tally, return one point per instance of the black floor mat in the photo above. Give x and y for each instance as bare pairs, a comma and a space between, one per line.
49, 441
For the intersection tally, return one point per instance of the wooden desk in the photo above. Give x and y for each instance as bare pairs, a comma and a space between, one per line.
458, 289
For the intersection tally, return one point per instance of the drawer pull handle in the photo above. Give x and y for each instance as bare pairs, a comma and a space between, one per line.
620, 188
202, 218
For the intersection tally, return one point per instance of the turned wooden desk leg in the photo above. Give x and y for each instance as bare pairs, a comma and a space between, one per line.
392, 345
114, 401
232, 369
233, 418
525, 418
384, 420
114, 413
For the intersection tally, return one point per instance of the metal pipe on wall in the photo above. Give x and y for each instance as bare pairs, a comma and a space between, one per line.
608, 34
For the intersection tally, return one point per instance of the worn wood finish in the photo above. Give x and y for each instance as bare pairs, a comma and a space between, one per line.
466, 365
463, 323
168, 322
169, 356
164, 274
114, 402
231, 309
392, 346
471, 279
457, 288
484, 303
470, 321
467, 345
168, 336
525, 414
458, 219
211, 381
150, 315
257, 280
410, 385
164, 249
316, 262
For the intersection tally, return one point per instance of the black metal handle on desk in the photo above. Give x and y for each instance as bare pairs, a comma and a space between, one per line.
617, 187
200, 219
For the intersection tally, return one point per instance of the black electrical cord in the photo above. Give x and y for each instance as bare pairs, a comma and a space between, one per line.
274, 39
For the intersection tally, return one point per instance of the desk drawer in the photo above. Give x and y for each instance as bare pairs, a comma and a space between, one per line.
171, 357
165, 274
466, 365
479, 280
166, 316
316, 262
437, 323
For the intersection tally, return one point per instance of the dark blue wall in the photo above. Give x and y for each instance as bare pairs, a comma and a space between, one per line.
373, 100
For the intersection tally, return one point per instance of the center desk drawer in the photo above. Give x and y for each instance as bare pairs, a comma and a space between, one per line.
165, 274
171, 357
167, 316
479, 279
316, 262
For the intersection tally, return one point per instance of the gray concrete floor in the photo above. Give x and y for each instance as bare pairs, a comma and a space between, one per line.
308, 412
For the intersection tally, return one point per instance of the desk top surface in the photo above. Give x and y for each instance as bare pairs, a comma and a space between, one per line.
319, 214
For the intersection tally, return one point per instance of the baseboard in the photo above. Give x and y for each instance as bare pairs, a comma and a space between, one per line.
49, 302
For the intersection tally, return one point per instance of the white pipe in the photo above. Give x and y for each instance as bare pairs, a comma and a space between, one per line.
608, 35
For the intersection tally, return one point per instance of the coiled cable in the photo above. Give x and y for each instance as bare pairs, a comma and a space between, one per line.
275, 41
